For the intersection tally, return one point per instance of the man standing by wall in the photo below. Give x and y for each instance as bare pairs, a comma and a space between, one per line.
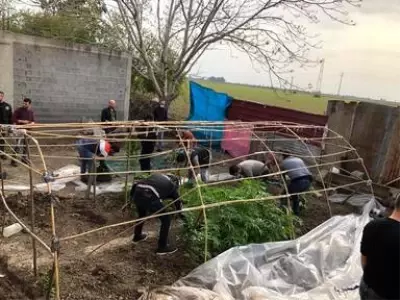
5, 118
380, 257
109, 114
23, 116
160, 115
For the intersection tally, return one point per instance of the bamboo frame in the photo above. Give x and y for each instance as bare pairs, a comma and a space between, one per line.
57, 131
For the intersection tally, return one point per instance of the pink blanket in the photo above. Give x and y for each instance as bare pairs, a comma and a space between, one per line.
236, 139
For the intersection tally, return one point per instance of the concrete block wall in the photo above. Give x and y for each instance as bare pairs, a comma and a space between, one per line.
67, 83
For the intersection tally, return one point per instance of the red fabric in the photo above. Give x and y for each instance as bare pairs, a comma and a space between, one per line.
236, 140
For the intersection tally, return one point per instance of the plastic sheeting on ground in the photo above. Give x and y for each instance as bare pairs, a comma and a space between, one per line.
322, 264
236, 140
208, 105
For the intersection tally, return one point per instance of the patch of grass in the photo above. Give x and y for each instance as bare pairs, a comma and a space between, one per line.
235, 224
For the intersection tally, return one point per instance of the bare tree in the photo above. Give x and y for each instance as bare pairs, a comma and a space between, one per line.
167, 37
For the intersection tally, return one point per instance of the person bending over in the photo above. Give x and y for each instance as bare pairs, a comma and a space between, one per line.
300, 178
88, 149
248, 168
148, 195
200, 158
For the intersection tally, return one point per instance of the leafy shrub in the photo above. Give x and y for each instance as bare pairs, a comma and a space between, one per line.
234, 224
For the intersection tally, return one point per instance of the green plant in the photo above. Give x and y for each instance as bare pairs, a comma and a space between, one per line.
234, 224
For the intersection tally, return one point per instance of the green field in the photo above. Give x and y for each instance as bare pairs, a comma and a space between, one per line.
297, 101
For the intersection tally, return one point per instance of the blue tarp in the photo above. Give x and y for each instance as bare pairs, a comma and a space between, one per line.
208, 105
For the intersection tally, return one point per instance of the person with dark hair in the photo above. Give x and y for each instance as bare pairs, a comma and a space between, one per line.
88, 149
160, 115
5, 119
300, 178
200, 158
147, 136
148, 194
380, 257
23, 116
248, 168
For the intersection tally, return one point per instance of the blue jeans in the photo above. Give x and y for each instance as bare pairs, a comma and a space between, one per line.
298, 185
86, 156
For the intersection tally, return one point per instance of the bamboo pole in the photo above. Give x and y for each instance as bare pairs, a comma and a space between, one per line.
32, 198
128, 162
2, 192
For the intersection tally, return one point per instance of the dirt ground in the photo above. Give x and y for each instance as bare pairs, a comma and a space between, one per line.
117, 270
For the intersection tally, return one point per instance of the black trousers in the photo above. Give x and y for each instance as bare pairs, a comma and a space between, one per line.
147, 148
148, 203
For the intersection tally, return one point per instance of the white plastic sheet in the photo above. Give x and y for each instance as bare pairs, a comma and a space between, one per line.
66, 174
322, 264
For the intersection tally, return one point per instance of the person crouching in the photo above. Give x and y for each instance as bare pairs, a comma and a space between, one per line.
200, 158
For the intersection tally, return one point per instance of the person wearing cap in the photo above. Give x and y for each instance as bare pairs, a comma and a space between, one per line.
109, 114
90, 148
249, 168
200, 158
300, 178
148, 195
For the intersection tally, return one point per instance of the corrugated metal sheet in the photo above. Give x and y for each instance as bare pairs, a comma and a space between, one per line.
391, 170
295, 146
248, 111
373, 130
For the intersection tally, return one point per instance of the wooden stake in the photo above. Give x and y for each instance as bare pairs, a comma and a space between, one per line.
127, 165
34, 252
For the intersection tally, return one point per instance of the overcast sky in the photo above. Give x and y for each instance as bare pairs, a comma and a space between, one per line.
368, 54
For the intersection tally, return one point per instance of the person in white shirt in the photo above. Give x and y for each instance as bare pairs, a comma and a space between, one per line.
248, 168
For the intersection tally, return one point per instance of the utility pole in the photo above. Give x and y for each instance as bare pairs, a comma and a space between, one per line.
291, 83
321, 75
340, 83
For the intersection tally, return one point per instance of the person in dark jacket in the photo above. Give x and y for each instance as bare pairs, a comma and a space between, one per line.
200, 158
109, 114
5, 119
160, 115
23, 116
147, 136
148, 194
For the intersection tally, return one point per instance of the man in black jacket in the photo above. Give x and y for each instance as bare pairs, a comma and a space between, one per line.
109, 114
147, 136
148, 194
5, 118
160, 115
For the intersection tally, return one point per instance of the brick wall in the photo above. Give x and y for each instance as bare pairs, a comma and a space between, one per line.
67, 83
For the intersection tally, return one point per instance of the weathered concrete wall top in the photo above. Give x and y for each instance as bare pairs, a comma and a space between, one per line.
65, 82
